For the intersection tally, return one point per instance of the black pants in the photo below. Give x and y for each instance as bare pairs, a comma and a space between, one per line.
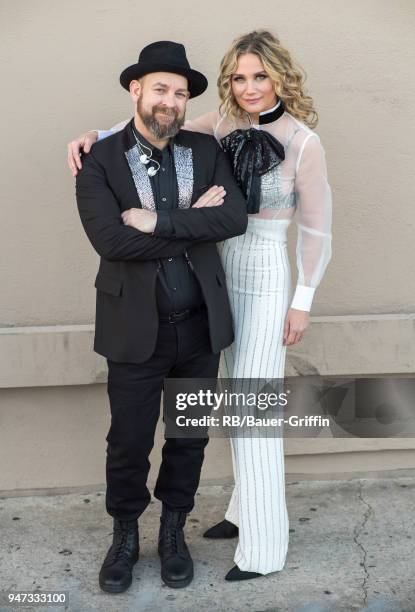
182, 351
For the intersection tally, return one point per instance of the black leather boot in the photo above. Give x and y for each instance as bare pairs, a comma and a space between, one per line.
116, 571
176, 562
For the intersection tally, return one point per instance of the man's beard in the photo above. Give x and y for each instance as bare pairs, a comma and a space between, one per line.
160, 131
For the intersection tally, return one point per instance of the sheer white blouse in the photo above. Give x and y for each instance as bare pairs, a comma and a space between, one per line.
299, 183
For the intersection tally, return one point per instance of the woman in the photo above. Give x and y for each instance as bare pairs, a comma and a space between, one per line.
264, 123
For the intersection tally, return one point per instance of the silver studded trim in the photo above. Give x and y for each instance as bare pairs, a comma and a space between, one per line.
183, 161
141, 179
271, 195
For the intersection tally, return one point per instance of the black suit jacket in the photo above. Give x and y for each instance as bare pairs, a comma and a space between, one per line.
113, 180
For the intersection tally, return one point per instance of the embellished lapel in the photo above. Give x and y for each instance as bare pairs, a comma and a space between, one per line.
183, 161
140, 178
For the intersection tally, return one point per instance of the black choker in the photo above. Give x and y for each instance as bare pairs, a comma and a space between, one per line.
269, 117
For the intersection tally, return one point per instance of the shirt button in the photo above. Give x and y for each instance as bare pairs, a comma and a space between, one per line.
164, 199
174, 288
170, 258
164, 169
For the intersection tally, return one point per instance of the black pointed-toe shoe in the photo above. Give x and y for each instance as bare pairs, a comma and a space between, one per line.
224, 529
176, 562
116, 571
236, 574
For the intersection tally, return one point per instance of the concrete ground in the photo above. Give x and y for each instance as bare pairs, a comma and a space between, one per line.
351, 548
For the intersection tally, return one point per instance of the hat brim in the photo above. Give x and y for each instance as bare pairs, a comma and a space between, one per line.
197, 82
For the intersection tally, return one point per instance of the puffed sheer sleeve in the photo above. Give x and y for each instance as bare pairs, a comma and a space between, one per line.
115, 128
205, 123
314, 214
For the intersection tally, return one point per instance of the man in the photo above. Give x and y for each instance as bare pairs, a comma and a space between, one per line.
153, 200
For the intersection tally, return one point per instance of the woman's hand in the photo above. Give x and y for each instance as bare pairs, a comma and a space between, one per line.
81, 145
296, 322
212, 197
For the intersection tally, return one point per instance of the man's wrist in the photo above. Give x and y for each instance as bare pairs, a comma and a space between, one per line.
164, 226
155, 224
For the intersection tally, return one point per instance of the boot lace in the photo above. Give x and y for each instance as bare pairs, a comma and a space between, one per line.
171, 536
174, 541
120, 550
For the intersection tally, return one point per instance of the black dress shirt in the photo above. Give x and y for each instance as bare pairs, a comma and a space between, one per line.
177, 287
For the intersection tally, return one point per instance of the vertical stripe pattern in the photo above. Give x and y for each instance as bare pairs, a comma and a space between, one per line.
259, 285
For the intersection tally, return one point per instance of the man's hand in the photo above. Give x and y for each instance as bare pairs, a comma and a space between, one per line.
213, 197
81, 145
141, 219
296, 322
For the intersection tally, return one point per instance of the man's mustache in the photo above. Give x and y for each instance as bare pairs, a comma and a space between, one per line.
170, 112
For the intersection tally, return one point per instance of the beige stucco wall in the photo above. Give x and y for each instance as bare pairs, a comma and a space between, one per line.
54, 438
60, 67
60, 63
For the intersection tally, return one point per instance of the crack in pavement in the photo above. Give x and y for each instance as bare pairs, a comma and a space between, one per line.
356, 534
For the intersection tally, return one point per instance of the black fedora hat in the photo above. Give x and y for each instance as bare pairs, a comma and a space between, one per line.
165, 56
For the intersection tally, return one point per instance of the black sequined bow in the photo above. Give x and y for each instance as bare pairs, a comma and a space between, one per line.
252, 152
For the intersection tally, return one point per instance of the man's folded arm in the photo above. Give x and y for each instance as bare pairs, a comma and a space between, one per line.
101, 218
210, 223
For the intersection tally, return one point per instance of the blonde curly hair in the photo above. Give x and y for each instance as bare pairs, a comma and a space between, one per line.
287, 76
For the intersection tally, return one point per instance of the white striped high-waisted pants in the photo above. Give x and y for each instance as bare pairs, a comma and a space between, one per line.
259, 285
